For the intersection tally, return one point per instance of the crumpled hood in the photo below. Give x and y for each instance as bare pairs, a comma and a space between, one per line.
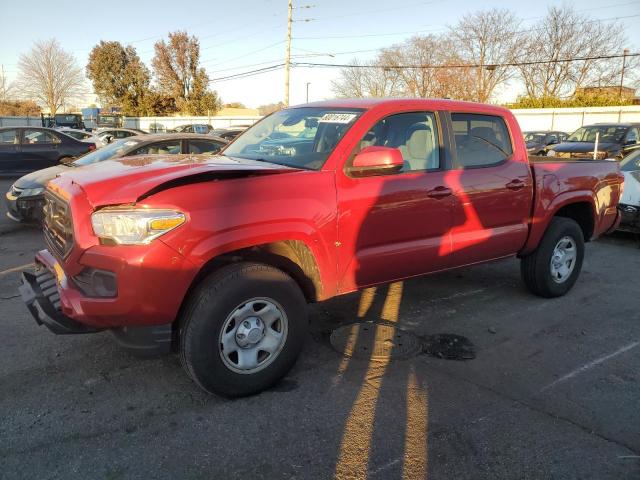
40, 178
128, 179
583, 147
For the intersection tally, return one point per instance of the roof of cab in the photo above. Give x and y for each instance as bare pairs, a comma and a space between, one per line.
430, 103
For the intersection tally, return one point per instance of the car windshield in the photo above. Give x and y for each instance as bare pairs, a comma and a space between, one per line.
297, 137
606, 133
112, 150
631, 162
534, 137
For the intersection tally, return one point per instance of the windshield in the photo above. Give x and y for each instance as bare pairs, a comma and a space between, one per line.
114, 149
297, 137
534, 137
607, 133
631, 162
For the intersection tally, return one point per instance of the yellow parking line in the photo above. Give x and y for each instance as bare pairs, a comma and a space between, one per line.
415, 436
16, 269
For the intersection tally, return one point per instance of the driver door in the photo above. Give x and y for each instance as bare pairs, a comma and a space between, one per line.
396, 226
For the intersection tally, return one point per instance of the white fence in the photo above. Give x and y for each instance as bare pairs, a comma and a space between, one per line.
20, 122
563, 119
570, 119
162, 124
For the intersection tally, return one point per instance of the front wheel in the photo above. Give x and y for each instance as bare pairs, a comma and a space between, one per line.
243, 329
554, 267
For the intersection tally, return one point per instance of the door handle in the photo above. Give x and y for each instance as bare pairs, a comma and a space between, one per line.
439, 192
516, 184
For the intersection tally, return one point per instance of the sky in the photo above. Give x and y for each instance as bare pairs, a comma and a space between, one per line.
241, 36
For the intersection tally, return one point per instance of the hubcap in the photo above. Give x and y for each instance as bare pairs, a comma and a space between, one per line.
563, 259
253, 335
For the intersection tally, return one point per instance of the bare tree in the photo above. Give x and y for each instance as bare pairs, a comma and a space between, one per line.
564, 34
488, 39
49, 75
367, 79
6, 88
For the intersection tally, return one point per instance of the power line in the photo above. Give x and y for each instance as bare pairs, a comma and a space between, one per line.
465, 65
441, 30
250, 73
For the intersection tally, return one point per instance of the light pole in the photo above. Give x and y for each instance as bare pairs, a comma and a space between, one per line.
308, 83
624, 64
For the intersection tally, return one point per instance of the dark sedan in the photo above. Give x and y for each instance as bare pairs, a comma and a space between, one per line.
26, 149
608, 140
26, 196
538, 141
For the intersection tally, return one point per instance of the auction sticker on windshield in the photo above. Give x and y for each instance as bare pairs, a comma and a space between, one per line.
337, 117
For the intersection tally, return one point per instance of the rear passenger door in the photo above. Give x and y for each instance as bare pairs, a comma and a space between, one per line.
492, 188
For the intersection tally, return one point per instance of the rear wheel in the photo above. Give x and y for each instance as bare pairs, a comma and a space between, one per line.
554, 267
243, 329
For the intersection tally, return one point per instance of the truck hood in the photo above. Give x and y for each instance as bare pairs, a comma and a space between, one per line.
130, 179
584, 147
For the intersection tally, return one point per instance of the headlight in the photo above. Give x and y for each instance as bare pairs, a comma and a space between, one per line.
551, 153
134, 226
32, 192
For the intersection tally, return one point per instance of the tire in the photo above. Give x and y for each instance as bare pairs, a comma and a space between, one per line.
540, 275
224, 311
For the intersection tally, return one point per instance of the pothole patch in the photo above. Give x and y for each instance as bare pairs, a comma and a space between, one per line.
449, 347
375, 341
384, 342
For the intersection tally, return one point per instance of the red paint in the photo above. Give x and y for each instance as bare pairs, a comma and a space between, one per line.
360, 230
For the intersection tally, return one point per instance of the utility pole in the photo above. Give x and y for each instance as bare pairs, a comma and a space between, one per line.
287, 58
624, 64
308, 83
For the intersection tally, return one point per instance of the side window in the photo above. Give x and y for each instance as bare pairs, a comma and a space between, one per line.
201, 146
39, 137
481, 140
552, 139
415, 134
9, 137
632, 136
172, 147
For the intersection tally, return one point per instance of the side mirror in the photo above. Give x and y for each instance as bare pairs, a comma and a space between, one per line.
108, 138
631, 141
377, 161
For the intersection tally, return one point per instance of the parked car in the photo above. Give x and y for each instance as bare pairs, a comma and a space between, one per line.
25, 198
537, 141
83, 136
107, 135
219, 255
615, 140
630, 201
26, 149
202, 128
228, 133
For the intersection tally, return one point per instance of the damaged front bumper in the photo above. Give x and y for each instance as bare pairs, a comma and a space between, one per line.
40, 293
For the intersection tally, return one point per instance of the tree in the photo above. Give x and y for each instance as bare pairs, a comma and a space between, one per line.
6, 88
564, 33
235, 105
119, 77
269, 108
49, 75
487, 39
176, 67
367, 79
19, 108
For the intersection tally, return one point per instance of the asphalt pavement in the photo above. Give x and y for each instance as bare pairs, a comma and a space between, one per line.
553, 390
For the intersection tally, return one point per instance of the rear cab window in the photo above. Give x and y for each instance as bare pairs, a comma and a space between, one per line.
480, 140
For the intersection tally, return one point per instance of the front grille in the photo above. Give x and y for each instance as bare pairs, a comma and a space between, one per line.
57, 225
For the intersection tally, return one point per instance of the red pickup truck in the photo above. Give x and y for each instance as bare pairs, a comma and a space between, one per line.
218, 256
